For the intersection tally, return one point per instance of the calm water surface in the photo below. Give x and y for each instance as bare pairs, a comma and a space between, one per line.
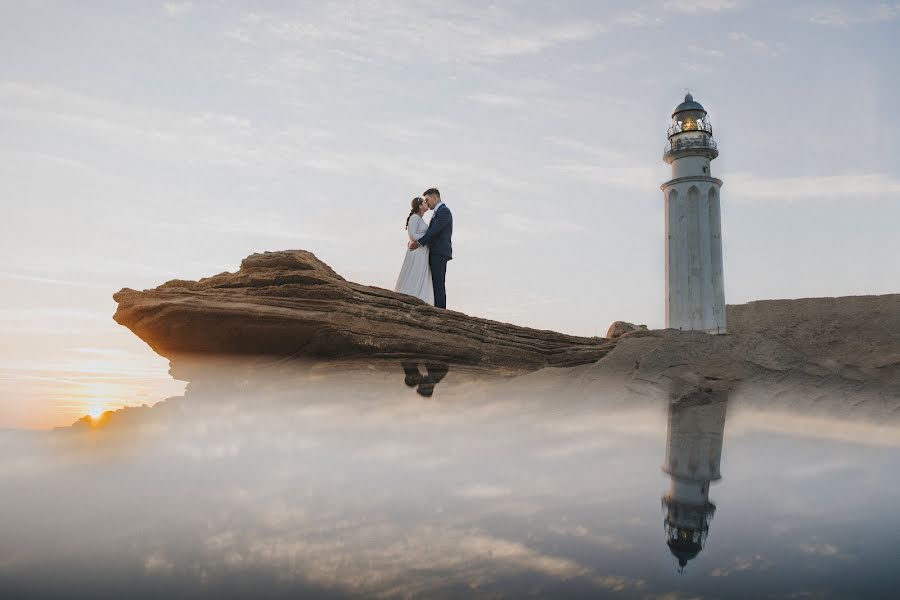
421, 480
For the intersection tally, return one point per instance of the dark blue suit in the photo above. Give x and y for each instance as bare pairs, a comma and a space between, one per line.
437, 238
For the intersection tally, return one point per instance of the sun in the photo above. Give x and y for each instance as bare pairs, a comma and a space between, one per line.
96, 408
96, 411
98, 397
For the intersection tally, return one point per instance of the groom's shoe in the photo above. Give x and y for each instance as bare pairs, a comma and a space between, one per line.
435, 371
413, 375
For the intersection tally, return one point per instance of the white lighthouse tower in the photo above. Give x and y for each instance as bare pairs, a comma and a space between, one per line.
695, 288
693, 454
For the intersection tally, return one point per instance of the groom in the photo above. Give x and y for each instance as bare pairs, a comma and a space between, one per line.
437, 238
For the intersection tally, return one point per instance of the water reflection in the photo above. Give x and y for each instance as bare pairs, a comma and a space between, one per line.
333, 480
694, 437
424, 383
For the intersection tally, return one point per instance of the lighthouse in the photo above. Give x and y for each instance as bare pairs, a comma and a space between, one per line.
695, 288
693, 453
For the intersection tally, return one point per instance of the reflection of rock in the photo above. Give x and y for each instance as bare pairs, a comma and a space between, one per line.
292, 304
620, 328
693, 453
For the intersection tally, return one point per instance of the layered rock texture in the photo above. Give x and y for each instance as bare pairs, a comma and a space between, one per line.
620, 328
290, 303
823, 353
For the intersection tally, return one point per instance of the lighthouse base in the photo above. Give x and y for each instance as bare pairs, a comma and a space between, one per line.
695, 287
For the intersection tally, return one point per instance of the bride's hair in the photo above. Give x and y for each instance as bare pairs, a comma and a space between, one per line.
416, 204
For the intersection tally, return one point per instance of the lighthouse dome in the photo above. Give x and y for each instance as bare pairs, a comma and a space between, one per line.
689, 104
684, 548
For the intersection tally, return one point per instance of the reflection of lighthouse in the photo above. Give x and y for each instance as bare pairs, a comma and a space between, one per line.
693, 453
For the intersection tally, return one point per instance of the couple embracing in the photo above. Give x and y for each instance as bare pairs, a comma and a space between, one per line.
424, 269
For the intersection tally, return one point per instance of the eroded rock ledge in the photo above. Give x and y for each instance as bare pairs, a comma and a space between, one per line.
289, 303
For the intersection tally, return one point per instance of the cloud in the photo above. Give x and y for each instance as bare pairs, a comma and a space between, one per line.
534, 225
826, 550
591, 151
481, 491
16, 315
91, 351
813, 187
495, 100
352, 36
840, 17
642, 179
386, 560
696, 6
409, 32
606, 541
521, 558
177, 9
156, 563
708, 52
185, 140
742, 563
623, 60
268, 152
757, 46
864, 433
828, 470
52, 281
617, 583
540, 40
637, 19
266, 225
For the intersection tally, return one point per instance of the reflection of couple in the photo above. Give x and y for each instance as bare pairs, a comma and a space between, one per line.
425, 267
424, 384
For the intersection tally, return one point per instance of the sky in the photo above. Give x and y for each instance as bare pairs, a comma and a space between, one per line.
142, 142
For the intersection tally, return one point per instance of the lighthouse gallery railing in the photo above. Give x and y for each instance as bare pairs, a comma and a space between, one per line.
686, 144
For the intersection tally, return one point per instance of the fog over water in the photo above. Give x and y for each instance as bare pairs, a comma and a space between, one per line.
390, 480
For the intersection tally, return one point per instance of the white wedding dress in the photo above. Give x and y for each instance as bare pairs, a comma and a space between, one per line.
415, 275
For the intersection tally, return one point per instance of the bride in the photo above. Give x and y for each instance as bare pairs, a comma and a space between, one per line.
415, 275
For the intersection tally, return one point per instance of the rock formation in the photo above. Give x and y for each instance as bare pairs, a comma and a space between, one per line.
290, 303
822, 352
620, 328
